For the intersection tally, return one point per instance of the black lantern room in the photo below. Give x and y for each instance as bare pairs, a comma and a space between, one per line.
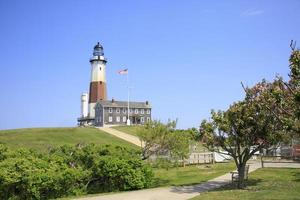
98, 50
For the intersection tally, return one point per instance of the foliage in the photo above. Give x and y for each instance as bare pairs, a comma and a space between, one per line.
112, 167
163, 140
289, 111
27, 174
245, 128
281, 97
263, 118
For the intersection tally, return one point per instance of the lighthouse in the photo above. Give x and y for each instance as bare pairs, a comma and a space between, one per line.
98, 79
96, 110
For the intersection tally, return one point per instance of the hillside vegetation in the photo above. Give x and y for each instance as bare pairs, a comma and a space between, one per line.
47, 138
68, 171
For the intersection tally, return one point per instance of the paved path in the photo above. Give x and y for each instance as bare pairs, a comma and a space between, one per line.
173, 193
124, 136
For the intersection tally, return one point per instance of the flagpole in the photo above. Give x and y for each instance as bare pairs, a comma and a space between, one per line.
128, 120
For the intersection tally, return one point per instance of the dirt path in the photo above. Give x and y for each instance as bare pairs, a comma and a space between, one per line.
124, 136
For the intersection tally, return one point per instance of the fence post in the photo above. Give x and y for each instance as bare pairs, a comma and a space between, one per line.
262, 162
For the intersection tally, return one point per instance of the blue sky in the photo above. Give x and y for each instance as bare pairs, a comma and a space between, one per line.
185, 57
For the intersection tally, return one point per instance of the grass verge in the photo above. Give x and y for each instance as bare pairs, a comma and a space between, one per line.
190, 175
266, 183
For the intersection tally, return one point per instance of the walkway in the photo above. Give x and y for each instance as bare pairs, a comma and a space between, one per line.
124, 136
174, 193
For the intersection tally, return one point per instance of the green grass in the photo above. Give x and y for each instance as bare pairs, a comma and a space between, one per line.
45, 138
190, 175
132, 130
267, 183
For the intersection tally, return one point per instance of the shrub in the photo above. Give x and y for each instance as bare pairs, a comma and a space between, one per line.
26, 174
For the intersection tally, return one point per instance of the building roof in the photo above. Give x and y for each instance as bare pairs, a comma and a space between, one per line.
113, 103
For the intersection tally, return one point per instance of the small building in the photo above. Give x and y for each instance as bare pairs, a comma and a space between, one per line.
116, 113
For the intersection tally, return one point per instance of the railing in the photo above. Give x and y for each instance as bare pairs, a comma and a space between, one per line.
200, 158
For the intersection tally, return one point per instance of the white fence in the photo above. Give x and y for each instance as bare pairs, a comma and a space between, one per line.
200, 158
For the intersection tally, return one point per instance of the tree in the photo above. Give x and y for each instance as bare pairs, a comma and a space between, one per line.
281, 97
163, 140
244, 129
290, 112
269, 114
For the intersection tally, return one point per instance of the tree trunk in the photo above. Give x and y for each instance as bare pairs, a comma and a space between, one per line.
241, 179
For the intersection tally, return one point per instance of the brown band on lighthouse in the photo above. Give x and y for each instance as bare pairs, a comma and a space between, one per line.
97, 91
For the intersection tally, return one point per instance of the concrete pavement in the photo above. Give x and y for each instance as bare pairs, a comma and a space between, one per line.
124, 136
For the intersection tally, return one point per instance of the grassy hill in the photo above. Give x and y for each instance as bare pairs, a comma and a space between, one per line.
45, 138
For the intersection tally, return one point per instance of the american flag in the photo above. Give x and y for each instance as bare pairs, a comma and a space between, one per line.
124, 71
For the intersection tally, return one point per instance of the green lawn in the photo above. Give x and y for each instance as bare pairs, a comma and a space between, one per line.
45, 138
190, 174
133, 130
267, 183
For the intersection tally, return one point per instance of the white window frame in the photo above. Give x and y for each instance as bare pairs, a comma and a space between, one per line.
124, 118
148, 119
110, 110
118, 119
142, 120
124, 110
142, 111
148, 111
110, 118
136, 111
118, 110
130, 110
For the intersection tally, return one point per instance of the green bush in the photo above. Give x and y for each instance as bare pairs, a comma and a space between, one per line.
112, 168
26, 174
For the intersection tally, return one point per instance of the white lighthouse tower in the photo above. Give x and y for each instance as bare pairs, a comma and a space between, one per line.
98, 79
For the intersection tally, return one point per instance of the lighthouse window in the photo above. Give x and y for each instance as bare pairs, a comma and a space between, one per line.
110, 110
118, 110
